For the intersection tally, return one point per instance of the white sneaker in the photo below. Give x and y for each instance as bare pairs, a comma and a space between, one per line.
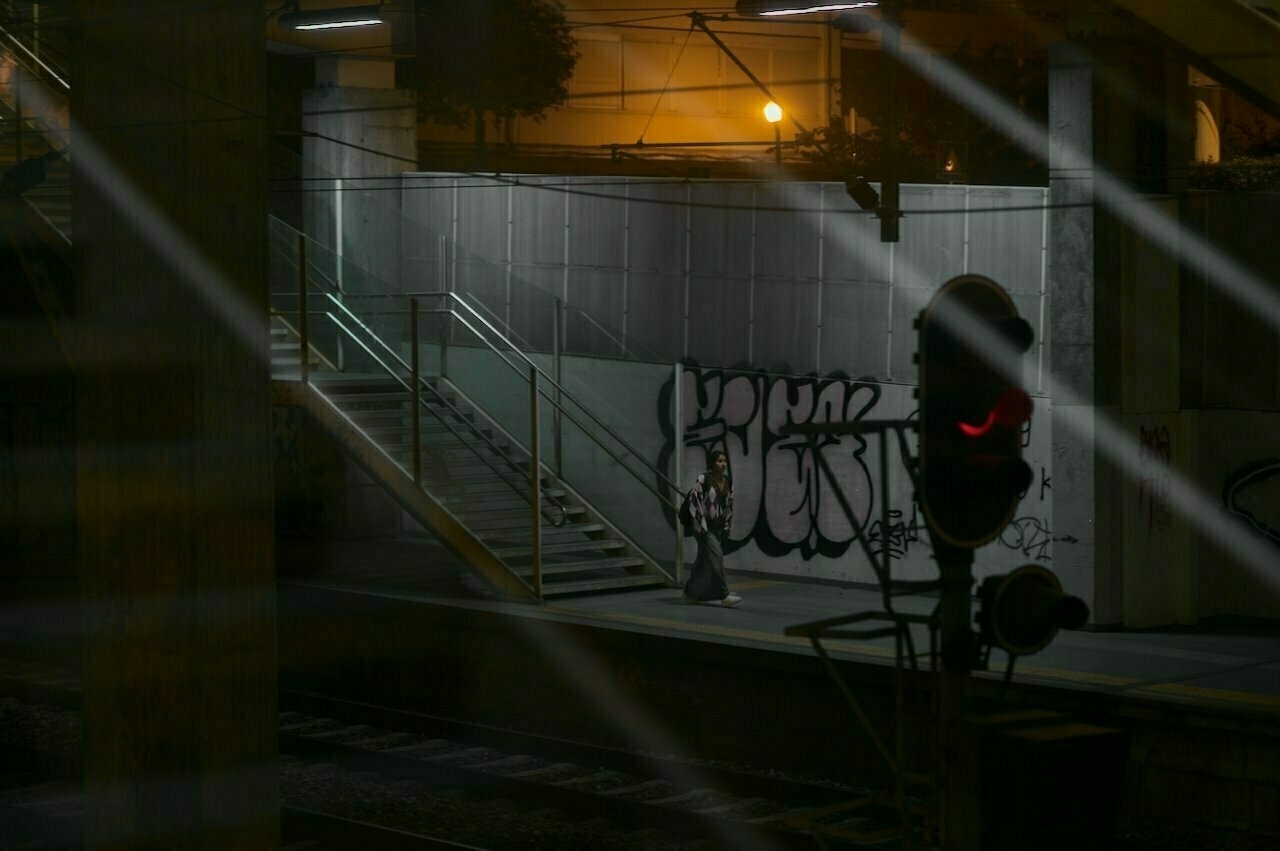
731, 600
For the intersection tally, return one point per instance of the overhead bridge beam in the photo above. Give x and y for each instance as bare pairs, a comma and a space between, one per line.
1236, 43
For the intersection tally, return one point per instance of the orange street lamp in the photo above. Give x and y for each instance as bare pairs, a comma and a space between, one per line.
773, 114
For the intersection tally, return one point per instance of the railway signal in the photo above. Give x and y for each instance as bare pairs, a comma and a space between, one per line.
1020, 612
972, 410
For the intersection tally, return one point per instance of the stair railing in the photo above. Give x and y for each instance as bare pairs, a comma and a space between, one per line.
651, 478
337, 313
51, 87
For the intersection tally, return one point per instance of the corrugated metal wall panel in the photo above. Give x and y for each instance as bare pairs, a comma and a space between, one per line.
786, 320
787, 227
655, 312
721, 229
538, 207
849, 311
658, 222
932, 248
995, 225
789, 276
719, 319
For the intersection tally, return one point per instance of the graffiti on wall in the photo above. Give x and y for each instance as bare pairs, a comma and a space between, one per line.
1153, 480
782, 501
1248, 477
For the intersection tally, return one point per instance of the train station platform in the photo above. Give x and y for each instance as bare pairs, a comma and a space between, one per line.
401, 622
1217, 668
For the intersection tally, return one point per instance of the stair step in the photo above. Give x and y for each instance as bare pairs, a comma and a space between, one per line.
293, 361
427, 426
401, 395
479, 482
514, 519
564, 589
491, 507
506, 553
565, 568
465, 461
547, 531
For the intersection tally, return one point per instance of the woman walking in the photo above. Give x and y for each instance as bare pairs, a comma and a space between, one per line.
711, 507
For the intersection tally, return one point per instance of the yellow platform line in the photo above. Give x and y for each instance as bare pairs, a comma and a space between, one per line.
1077, 676
726, 631
1130, 685
1207, 693
752, 584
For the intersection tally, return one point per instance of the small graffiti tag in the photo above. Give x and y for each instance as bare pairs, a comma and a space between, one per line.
896, 543
1031, 536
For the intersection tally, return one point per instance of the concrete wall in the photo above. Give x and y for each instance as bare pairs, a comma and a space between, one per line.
1230, 391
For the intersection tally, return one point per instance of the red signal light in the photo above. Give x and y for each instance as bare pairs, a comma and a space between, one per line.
1012, 409
978, 430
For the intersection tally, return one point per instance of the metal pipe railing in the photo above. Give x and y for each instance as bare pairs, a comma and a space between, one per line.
510, 462
535, 481
565, 394
342, 308
556, 394
555, 387
417, 398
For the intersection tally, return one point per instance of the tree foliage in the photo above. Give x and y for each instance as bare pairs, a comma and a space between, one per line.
504, 58
927, 117
1239, 174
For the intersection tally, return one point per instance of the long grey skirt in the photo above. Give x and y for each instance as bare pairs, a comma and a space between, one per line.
706, 577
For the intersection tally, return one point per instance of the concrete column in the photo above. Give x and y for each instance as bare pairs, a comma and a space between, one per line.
173, 430
367, 133
1112, 103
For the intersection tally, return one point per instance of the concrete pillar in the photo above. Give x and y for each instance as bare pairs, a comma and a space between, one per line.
173, 429
1122, 104
366, 136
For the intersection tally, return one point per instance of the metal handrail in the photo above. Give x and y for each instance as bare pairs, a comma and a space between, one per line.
533, 376
35, 59
546, 393
27, 59
564, 394
621, 344
511, 462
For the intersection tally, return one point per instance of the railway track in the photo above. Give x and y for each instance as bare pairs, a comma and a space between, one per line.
349, 767
728, 807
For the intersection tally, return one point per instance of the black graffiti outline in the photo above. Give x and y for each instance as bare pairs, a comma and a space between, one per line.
1243, 478
710, 430
1033, 537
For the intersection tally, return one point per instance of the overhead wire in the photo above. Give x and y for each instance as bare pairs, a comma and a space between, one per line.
562, 188
658, 101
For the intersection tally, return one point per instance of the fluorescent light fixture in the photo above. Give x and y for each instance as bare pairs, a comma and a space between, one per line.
778, 8
329, 19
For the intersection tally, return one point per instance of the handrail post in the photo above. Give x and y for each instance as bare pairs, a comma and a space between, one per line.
416, 395
677, 423
17, 111
535, 476
557, 335
304, 351
446, 325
